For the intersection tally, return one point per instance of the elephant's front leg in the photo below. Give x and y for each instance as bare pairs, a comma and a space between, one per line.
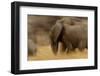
69, 47
62, 47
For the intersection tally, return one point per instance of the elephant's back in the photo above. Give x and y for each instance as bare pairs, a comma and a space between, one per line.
76, 30
75, 33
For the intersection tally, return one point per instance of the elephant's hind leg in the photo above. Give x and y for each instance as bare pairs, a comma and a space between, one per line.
82, 45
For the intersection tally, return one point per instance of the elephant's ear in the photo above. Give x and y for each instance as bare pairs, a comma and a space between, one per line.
56, 31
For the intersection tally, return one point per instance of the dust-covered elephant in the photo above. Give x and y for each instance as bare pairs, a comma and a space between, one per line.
71, 37
32, 49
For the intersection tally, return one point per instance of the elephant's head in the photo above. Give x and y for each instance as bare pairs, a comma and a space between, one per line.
55, 36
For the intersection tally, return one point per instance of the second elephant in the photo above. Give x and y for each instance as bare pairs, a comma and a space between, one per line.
71, 37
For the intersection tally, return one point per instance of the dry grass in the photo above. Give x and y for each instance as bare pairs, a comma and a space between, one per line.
45, 53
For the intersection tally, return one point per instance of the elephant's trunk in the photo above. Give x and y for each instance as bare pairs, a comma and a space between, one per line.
54, 47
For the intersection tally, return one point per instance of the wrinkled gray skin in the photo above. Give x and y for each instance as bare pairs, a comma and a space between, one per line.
71, 37
37, 23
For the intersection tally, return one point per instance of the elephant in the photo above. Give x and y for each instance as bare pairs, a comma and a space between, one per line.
69, 36
32, 49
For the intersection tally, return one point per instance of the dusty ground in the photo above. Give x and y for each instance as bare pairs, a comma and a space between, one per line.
45, 53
